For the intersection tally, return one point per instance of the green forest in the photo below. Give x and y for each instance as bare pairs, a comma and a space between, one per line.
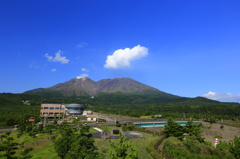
12, 108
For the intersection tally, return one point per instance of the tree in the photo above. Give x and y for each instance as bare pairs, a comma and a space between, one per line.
193, 129
221, 127
173, 129
72, 145
40, 128
25, 152
7, 146
176, 130
48, 128
118, 124
62, 145
235, 147
122, 149
82, 147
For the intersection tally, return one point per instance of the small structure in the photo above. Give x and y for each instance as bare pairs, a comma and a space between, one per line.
157, 116
87, 112
26, 102
115, 131
91, 117
32, 119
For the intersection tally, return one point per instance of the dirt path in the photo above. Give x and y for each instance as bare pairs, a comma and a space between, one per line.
113, 117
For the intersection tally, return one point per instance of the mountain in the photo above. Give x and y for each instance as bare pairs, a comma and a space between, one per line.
86, 86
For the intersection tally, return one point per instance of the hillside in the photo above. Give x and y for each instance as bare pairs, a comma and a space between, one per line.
86, 86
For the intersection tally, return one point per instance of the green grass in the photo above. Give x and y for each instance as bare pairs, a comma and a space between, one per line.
91, 130
191, 148
152, 151
44, 148
108, 128
140, 144
146, 117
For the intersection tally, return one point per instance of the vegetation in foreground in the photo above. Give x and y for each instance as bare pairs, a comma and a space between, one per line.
65, 141
186, 142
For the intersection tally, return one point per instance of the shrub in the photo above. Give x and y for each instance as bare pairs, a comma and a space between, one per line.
218, 136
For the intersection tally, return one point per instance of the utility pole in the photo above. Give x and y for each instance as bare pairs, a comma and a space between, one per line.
44, 119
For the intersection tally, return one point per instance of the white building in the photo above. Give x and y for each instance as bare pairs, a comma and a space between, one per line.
91, 117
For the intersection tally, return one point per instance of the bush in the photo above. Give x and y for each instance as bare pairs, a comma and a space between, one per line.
192, 148
118, 124
218, 136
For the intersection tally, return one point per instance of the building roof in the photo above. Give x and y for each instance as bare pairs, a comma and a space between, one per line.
51, 102
91, 116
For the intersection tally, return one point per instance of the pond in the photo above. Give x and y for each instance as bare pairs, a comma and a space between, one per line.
156, 124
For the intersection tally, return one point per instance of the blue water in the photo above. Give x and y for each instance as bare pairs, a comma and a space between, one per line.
155, 124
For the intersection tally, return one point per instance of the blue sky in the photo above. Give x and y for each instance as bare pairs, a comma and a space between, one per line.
186, 48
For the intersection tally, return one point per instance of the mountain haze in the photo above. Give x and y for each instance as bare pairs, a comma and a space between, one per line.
86, 86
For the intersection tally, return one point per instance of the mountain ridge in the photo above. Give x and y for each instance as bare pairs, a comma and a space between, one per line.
86, 86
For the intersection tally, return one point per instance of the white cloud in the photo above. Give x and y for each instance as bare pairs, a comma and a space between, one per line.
84, 75
48, 57
57, 58
122, 58
228, 97
81, 45
53, 70
85, 70
33, 65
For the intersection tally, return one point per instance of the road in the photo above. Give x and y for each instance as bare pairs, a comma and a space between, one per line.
5, 130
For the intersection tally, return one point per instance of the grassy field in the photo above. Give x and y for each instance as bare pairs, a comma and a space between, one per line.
44, 148
139, 143
107, 128
146, 117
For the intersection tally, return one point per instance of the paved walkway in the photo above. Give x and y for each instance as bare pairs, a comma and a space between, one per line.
129, 135
97, 129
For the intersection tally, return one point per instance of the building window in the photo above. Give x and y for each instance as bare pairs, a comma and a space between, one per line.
51, 108
45, 108
73, 108
57, 108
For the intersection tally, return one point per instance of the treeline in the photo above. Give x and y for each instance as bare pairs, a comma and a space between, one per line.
168, 106
12, 109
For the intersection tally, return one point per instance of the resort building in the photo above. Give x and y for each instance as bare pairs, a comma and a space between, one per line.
87, 112
74, 109
58, 109
91, 117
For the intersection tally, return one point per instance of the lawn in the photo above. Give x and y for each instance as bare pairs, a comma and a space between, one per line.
140, 144
146, 117
43, 148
